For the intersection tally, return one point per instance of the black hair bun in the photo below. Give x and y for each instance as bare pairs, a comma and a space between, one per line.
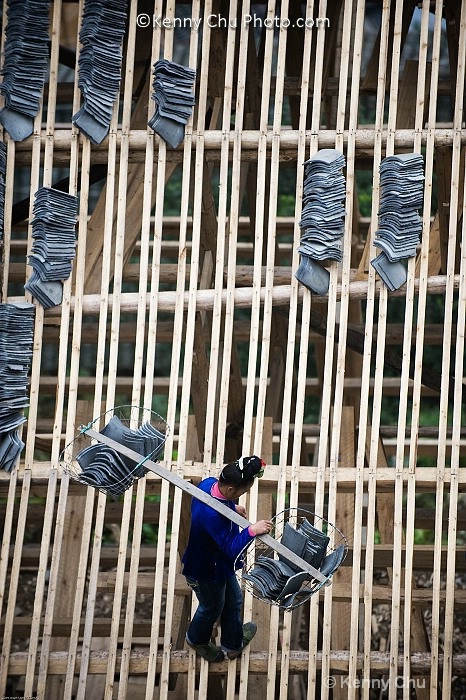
241, 471
252, 465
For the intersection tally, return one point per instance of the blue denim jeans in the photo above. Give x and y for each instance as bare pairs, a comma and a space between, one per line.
217, 599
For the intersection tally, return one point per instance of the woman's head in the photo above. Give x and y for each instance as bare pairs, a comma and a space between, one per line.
239, 476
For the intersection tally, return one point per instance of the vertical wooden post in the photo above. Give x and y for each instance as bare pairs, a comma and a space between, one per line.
341, 613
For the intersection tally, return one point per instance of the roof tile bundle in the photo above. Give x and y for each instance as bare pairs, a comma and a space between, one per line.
101, 35
2, 186
174, 99
105, 468
54, 244
322, 220
400, 226
16, 343
280, 580
25, 65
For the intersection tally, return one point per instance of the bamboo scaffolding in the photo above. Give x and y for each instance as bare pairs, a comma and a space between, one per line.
298, 663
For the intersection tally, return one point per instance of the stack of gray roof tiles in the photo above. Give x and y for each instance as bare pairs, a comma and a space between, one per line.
54, 244
322, 220
25, 65
400, 226
174, 100
16, 344
102, 31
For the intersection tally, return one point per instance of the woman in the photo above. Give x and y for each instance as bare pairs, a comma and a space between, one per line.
209, 562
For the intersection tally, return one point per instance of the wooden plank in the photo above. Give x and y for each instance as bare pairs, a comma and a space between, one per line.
63, 627
341, 613
137, 520
266, 195
341, 448
449, 632
380, 64
7, 540
289, 399
119, 248
408, 109
64, 564
229, 251
32, 417
182, 603
299, 662
446, 356
152, 337
422, 555
261, 611
416, 629
412, 107
443, 158
190, 319
321, 455
200, 361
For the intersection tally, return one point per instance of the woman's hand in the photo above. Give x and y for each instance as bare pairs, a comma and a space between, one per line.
262, 527
241, 510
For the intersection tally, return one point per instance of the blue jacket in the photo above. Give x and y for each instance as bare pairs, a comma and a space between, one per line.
214, 541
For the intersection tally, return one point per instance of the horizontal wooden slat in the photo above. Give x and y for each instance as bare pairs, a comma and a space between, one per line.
62, 628
424, 519
364, 140
380, 594
426, 477
180, 662
107, 579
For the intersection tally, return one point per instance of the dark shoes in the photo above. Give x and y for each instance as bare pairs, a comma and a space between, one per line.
249, 632
214, 654
209, 651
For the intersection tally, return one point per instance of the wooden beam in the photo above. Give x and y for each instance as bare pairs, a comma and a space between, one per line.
341, 613
364, 139
258, 662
